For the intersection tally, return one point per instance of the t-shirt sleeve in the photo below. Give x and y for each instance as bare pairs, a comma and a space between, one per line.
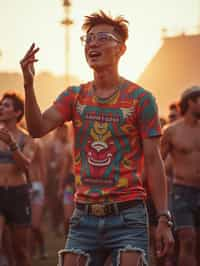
148, 118
64, 103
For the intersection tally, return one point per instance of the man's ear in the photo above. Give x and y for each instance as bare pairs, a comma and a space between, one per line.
121, 49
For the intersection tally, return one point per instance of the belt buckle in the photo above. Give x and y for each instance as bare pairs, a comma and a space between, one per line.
98, 210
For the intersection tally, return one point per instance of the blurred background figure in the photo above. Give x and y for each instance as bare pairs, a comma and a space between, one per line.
181, 140
163, 122
66, 188
173, 116
58, 160
174, 112
37, 174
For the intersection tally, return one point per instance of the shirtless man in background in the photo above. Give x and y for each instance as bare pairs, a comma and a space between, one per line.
174, 112
59, 161
37, 174
182, 141
66, 183
16, 153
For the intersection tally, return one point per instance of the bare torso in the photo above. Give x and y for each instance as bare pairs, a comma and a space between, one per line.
185, 151
37, 167
58, 155
10, 174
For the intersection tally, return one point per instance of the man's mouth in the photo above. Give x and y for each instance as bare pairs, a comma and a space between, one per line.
94, 54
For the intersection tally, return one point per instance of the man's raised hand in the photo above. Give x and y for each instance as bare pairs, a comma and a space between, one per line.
27, 65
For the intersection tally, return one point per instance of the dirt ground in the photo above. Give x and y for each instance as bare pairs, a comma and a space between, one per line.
53, 243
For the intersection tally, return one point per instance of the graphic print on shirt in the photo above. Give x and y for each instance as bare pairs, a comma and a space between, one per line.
103, 151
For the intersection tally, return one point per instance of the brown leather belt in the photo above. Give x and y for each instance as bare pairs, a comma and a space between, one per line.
101, 210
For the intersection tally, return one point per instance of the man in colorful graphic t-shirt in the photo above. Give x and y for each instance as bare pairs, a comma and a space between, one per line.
117, 131
108, 145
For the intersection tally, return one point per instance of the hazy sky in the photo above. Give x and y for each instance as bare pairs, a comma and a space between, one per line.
25, 21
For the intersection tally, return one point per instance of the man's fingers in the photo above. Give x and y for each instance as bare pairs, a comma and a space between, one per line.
166, 248
159, 247
33, 52
29, 62
29, 55
30, 49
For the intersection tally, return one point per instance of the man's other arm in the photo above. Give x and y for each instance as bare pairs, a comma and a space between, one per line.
154, 167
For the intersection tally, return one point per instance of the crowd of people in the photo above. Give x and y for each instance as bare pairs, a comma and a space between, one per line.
125, 179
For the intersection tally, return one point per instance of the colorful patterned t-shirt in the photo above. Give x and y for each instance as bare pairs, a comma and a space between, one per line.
108, 140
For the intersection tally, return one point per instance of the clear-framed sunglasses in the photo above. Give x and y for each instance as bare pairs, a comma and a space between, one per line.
100, 37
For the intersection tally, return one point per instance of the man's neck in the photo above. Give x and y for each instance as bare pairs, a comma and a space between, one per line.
106, 80
191, 120
106, 83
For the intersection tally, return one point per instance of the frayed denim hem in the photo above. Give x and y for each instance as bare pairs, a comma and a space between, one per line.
130, 248
75, 251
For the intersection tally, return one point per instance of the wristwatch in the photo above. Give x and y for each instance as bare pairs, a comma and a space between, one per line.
165, 214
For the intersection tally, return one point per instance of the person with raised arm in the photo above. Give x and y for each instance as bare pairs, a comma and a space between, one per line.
117, 131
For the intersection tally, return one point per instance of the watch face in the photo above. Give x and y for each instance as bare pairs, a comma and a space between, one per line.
170, 223
167, 214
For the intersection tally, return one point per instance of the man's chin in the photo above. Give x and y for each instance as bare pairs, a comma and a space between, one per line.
97, 67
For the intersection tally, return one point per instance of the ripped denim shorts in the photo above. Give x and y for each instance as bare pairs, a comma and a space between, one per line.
100, 237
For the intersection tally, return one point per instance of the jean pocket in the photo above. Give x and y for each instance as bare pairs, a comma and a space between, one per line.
135, 217
76, 218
